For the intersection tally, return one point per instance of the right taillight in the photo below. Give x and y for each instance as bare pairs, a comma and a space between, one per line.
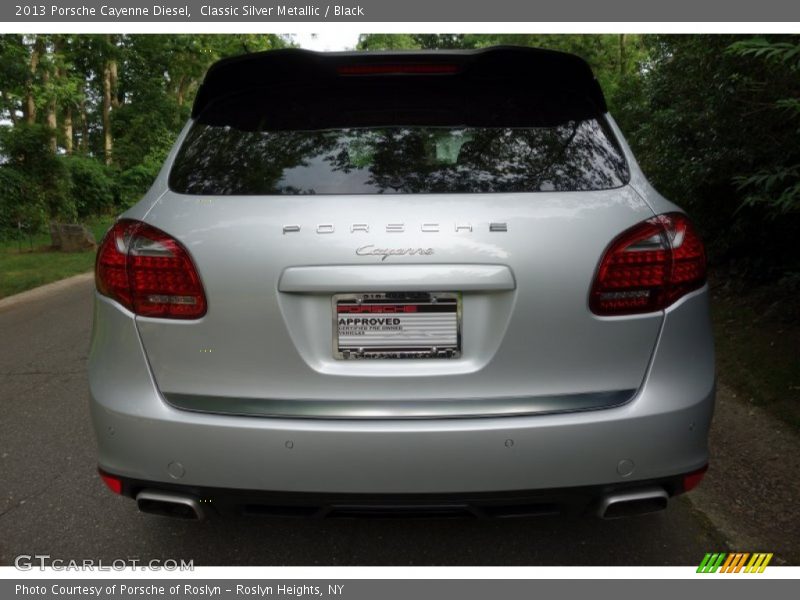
148, 272
648, 267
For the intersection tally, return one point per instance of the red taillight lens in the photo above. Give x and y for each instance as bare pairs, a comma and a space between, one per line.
149, 272
648, 267
113, 483
692, 480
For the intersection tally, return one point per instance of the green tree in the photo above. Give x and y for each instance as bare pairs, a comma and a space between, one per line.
777, 182
387, 41
714, 133
86, 120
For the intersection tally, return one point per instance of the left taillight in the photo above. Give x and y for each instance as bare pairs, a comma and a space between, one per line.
149, 272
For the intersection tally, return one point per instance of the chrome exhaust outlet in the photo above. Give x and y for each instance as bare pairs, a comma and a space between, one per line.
166, 504
635, 502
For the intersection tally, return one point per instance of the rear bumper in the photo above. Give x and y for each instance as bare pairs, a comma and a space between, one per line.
657, 436
211, 501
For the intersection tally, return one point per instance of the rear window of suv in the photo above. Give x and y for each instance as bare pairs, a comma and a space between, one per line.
397, 142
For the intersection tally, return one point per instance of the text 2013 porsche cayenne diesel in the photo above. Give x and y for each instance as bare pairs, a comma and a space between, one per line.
409, 282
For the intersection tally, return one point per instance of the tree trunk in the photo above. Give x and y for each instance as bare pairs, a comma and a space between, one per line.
623, 56
50, 118
110, 97
108, 140
112, 69
52, 125
68, 129
30, 102
52, 104
84, 128
182, 86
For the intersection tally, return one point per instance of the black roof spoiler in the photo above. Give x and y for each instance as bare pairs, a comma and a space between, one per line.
531, 68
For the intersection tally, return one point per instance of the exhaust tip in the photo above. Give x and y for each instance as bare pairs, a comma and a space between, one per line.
633, 503
165, 504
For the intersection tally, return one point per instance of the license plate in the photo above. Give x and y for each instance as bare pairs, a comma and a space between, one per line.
397, 325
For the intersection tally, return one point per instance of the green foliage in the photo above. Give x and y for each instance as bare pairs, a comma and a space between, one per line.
161, 74
91, 186
779, 188
26, 148
389, 41
716, 130
759, 47
145, 128
21, 204
713, 119
13, 72
62, 79
778, 185
134, 181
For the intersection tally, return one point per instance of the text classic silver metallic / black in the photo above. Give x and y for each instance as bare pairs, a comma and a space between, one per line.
410, 282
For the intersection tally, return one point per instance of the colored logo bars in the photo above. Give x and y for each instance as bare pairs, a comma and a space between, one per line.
735, 562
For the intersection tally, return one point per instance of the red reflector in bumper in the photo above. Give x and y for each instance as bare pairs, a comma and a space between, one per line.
113, 483
692, 480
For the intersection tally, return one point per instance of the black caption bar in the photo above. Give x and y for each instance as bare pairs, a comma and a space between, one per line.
445, 11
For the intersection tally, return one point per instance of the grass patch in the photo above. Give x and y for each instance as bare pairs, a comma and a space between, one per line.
29, 263
757, 334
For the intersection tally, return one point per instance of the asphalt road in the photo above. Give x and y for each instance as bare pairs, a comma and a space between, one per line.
52, 502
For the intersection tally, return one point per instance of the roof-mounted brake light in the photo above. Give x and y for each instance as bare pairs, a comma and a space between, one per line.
398, 69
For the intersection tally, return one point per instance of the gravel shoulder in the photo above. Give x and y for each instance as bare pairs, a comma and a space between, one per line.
752, 490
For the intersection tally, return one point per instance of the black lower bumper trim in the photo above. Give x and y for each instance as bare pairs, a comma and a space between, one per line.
517, 503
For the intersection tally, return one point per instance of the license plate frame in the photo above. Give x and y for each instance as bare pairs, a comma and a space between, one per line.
380, 344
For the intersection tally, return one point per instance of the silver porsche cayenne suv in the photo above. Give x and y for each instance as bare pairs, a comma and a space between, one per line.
409, 283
